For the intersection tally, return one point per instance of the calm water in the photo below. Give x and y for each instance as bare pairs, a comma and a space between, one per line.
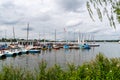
63, 56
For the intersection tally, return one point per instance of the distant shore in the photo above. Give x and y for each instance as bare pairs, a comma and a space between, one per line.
42, 40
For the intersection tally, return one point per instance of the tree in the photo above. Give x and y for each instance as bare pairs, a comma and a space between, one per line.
109, 8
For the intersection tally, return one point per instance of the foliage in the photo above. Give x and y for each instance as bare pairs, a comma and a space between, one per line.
101, 68
107, 8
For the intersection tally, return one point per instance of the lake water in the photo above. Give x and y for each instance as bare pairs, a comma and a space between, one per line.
62, 56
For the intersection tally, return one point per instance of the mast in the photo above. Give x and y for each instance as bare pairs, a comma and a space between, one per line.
44, 39
74, 37
39, 38
13, 34
5, 36
27, 32
65, 35
79, 37
55, 36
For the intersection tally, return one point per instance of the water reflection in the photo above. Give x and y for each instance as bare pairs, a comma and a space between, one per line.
2, 58
61, 57
66, 51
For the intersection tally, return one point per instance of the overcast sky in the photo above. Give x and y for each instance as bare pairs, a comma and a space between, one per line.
44, 16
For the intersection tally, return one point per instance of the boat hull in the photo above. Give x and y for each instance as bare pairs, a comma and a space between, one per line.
34, 51
10, 54
2, 56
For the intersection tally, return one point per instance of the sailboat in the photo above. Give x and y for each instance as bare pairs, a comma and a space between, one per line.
44, 46
55, 46
93, 44
65, 46
12, 51
76, 46
28, 49
84, 45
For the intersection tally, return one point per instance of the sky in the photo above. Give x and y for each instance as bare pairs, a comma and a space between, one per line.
67, 17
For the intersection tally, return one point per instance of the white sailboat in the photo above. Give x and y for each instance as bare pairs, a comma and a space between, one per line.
84, 45
55, 46
44, 46
93, 44
13, 48
66, 46
75, 45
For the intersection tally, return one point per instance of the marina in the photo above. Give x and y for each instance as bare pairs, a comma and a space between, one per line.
63, 56
59, 40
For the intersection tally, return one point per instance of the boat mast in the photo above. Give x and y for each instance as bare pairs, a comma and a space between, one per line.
44, 39
39, 38
55, 36
27, 32
65, 36
79, 37
14, 34
5, 36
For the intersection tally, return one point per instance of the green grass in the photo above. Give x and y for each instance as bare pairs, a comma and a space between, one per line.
101, 68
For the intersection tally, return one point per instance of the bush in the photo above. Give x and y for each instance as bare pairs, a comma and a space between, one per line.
101, 68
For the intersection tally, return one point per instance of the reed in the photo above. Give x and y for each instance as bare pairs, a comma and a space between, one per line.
101, 68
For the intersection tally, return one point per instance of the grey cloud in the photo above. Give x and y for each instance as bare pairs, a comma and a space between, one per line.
43, 17
1, 31
70, 5
30, 29
9, 14
75, 25
8, 5
9, 22
95, 31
